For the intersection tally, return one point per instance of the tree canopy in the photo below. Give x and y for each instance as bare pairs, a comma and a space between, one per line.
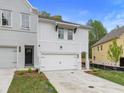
45, 14
97, 32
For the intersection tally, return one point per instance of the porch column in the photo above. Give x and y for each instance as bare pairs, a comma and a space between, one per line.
87, 64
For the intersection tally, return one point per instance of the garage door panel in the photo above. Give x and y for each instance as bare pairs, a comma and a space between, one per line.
59, 62
8, 57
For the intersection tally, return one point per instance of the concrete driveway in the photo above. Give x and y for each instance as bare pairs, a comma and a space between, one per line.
6, 76
79, 82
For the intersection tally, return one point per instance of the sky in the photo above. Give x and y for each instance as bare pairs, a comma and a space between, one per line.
109, 12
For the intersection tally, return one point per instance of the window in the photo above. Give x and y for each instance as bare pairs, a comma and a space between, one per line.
94, 57
101, 47
66, 34
61, 33
70, 34
25, 21
98, 48
6, 18
94, 49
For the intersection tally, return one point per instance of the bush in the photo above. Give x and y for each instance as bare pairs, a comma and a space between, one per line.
29, 70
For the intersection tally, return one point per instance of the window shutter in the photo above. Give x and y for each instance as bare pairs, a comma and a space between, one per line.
0, 18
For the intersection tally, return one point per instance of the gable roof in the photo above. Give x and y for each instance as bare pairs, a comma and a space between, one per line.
33, 9
112, 35
29, 4
65, 22
51, 19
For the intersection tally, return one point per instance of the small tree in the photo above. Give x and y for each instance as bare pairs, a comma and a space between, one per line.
115, 52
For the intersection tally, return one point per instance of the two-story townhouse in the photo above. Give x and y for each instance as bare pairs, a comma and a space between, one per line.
60, 44
18, 37
26, 40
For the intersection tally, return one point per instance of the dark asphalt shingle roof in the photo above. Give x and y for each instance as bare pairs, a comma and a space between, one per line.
113, 34
49, 18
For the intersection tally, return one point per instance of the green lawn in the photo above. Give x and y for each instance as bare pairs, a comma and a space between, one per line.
33, 82
114, 76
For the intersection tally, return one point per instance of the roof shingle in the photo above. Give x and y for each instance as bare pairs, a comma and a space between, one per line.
113, 34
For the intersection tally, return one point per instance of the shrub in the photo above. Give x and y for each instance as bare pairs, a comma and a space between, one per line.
29, 70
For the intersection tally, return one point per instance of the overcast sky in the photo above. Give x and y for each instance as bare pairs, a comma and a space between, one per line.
109, 12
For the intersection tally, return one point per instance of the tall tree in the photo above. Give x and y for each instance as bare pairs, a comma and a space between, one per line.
97, 32
57, 17
44, 14
115, 52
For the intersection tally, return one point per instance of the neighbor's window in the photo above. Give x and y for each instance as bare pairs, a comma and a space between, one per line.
60, 33
101, 47
25, 21
94, 49
98, 48
6, 18
70, 34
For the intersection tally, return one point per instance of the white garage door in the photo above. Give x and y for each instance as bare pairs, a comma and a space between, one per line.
59, 62
8, 57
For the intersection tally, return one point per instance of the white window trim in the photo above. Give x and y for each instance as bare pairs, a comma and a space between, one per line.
72, 36
65, 35
1, 18
21, 21
58, 34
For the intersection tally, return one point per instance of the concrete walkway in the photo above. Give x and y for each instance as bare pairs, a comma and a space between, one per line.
6, 76
79, 82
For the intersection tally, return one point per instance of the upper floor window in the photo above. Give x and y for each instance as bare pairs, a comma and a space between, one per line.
6, 18
25, 21
60, 33
70, 34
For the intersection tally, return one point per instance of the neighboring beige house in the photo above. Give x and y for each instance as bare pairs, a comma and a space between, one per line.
100, 49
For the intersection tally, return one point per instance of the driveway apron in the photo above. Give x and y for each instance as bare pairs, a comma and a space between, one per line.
6, 76
77, 81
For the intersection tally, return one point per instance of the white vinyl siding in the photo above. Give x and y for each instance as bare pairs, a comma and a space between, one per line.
25, 21
5, 18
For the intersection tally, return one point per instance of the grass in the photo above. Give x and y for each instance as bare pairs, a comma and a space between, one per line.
25, 82
114, 76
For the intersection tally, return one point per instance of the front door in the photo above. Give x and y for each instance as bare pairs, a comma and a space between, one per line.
122, 62
29, 55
